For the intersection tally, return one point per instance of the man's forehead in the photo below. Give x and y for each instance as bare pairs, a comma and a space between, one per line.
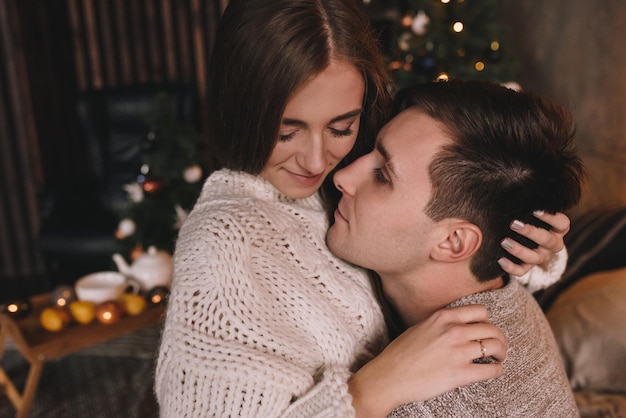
410, 137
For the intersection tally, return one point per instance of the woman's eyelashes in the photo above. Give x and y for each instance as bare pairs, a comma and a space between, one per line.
337, 133
287, 137
340, 133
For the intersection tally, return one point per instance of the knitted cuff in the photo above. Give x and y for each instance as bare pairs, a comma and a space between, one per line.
542, 276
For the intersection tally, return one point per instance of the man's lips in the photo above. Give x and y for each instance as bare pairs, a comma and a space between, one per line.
339, 215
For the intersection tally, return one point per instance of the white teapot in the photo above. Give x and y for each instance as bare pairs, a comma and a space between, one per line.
152, 268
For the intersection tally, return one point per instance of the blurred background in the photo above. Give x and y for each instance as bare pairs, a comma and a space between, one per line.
101, 145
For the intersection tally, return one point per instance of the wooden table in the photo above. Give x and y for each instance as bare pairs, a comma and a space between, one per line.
38, 345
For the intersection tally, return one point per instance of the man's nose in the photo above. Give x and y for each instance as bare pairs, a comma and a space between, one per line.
343, 179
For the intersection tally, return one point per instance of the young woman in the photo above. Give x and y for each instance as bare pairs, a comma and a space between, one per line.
262, 319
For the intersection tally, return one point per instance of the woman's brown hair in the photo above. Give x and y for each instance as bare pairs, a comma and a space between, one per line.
264, 51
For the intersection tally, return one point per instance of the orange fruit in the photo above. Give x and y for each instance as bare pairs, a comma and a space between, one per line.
54, 319
133, 304
83, 311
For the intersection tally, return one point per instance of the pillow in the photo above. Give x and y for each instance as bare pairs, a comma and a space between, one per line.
589, 323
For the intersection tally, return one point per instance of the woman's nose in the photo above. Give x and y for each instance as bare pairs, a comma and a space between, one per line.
315, 156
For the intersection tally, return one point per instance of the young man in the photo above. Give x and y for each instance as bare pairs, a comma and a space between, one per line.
428, 209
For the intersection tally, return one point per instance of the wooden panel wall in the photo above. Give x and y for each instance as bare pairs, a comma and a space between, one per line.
20, 163
120, 42
113, 43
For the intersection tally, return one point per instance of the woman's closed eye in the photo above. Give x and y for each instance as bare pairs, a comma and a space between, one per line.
340, 133
287, 136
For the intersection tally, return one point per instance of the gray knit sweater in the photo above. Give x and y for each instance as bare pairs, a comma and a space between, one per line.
534, 383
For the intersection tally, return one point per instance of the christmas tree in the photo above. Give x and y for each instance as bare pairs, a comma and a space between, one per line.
439, 39
169, 181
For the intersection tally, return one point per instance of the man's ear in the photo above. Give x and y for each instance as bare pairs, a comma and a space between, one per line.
460, 241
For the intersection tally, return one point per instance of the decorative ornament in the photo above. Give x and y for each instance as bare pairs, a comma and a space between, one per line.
512, 85
126, 228
419, 26
395, 65
404, 41
17, 308
427, 62
406, 21
109, 312
62, 296
192, 174
158, 295
135, 192
152, 186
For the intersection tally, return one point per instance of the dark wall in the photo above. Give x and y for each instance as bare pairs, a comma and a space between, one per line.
573, 51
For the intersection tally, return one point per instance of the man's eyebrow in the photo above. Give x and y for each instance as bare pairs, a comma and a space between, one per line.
383, 151
347, 115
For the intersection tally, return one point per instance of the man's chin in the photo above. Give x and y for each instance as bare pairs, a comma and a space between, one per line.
338, 247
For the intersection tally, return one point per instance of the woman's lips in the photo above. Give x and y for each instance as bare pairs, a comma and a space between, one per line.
306, 180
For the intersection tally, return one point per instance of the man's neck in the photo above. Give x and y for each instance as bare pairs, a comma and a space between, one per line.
417, 295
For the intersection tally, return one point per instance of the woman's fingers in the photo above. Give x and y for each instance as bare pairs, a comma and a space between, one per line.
559, 222
491, 347
514, 268
550, 242
467, 327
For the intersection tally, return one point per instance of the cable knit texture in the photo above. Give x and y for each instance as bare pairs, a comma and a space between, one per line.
534, 383
262, 321
543, 276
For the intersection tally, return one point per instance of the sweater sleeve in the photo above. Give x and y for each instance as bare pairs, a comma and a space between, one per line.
227, 351
229, 380
542, 276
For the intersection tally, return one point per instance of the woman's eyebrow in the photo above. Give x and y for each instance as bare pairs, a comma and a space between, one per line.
347, 115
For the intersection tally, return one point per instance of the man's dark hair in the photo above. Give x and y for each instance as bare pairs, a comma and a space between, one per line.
510, 153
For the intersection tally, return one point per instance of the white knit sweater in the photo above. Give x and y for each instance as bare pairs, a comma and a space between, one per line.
263, 321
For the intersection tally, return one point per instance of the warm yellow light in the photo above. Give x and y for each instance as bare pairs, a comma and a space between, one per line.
445, 1
443, 77
12, 308
495, 45
457, 27
107, 315
479, 66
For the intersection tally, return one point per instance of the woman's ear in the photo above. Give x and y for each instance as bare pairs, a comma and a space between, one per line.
460, 241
